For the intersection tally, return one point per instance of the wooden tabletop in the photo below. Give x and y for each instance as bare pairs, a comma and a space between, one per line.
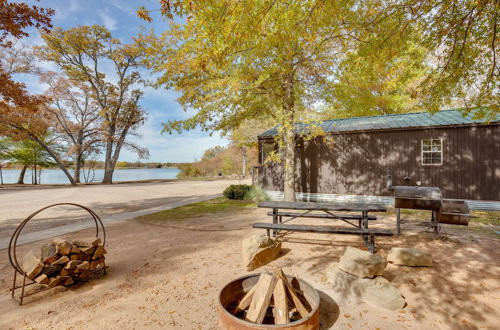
347, 207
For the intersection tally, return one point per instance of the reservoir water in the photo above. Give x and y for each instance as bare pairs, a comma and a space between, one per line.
56, 176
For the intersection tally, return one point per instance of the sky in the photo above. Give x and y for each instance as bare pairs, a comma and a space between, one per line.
119, 17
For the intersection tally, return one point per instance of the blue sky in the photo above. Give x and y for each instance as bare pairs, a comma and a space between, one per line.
119, 16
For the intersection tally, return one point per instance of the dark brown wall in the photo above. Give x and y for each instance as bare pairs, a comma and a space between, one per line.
356, 163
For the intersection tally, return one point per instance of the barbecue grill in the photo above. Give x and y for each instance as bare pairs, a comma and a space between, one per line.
454, 212
416, 198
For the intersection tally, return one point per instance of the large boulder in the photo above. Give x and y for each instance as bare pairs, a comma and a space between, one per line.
362, 263
259, 250
409, 257
375, 291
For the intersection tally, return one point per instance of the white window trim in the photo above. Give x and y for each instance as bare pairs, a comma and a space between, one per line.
422, 152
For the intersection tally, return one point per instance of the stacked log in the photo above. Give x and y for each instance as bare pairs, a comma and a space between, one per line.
63, 262
273, 300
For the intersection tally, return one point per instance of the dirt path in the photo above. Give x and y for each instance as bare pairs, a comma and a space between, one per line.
105, 200
162, 277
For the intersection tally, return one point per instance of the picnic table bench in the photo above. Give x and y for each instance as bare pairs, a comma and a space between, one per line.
327, 209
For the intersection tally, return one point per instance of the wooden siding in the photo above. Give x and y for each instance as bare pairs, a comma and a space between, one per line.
356, 163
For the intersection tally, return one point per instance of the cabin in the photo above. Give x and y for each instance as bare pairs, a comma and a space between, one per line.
460, 155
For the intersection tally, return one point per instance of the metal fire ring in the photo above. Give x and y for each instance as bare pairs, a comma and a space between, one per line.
17, 232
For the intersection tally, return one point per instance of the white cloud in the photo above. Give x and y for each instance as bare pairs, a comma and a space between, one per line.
109, 22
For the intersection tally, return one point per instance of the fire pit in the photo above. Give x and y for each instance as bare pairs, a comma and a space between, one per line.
236, 290
61, 262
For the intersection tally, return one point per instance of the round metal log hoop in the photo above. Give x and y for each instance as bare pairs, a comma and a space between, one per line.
17, 232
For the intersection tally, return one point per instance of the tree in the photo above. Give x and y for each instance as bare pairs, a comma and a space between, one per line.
380, 76
81, 53
76, 117
26, 120
29, 153
234, 60
245, 136
462, 43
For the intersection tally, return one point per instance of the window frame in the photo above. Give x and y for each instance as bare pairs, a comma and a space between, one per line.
422, 152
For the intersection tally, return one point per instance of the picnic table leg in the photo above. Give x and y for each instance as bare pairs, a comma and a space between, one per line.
275, 220
365, 219
398, 220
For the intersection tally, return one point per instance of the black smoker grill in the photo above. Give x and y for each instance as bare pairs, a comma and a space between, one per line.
448, 211
454, 212
417, 198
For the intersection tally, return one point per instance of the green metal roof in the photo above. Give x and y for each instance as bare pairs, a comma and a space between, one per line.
393, 121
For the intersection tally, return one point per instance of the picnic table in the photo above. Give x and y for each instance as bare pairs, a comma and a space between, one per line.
294, 210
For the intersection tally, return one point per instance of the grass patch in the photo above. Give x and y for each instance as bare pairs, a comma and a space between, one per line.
199, 209
486, 217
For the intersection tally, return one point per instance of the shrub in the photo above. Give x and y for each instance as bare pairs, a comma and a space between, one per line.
256, 194
236, 191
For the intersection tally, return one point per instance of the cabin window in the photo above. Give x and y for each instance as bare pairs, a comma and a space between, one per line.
432, 152
267, 148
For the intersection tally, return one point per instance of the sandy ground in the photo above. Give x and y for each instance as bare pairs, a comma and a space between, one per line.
168, 276
18, 203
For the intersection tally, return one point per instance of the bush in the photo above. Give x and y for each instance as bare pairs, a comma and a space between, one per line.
256, 194
236, 191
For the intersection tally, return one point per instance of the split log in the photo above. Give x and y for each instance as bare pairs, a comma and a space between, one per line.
295, 298
49, 253
99, 252
83, 266
89, 250
53, 281
280, 303
261, 297
94, 242
32, 266
61, 261
72, 264
42, 279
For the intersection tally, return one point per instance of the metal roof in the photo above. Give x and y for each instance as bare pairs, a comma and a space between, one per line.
393, 121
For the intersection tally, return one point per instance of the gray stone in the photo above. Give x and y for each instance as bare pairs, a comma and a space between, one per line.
409, 257
375, 291
258, 250
362, 263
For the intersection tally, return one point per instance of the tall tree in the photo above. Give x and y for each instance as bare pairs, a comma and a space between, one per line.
81, 53
28, 153
76, 117
462, 40
233, 60
380, 76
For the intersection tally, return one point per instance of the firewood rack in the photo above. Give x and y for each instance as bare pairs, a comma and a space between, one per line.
100, 233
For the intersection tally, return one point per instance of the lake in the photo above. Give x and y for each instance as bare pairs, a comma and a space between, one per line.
56, 176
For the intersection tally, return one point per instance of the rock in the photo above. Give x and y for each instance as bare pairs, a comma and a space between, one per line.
380, 292
375, 291
362, 263
259, 250
409, 257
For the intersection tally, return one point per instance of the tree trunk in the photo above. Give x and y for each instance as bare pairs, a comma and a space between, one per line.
21, 175
34, 175
108, 168
289, 166
78, 165
244, 166
56, 159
